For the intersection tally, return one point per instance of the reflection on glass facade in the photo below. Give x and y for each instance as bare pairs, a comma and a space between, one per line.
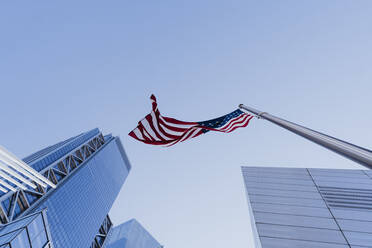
130, 234
28, 232
307, 208
85, 198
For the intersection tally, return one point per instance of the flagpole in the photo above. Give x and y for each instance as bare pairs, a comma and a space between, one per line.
358, 154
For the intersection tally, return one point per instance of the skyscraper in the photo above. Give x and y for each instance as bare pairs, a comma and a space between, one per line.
309, 208
88, 171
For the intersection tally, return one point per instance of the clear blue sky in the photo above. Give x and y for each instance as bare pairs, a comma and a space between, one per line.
69, 66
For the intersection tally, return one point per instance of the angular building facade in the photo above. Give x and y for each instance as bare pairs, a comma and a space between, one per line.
29, 231
309, 208
88, 171
130, 234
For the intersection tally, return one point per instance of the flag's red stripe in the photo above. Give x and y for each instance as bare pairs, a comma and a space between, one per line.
191, 131
173, 128
159, 143
232, 122
172, 120
243, 124
246, 124
132, 134
237, 122
213, 129
171, 136
149, 120
159, 130
185, 134
140, 129
144, 133
199, 132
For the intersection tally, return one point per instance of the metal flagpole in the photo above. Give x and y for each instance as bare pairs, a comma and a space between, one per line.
356, 153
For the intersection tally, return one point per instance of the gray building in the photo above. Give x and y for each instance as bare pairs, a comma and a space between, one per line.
309, 208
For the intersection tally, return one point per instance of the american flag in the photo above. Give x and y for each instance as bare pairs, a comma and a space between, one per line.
156, 129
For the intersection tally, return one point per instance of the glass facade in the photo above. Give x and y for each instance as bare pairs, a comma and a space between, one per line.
88, 171
77, 208
45, 157
295, 207
28, 232
130, 234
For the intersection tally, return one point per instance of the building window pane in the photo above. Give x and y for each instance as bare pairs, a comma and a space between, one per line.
21, 241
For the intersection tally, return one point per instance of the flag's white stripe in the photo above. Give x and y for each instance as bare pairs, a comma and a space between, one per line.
238, 125
192, 131
145, 134
186, 134
149, 130
176, 125
195, 133
138, 134
173, 142
175, 133
180, 138
156, 126
232, 121
183, 137
228, 127
244, 123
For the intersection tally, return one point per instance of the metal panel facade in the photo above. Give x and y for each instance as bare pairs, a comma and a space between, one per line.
295, 207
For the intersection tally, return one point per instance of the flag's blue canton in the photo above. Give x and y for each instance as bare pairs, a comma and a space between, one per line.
219, 122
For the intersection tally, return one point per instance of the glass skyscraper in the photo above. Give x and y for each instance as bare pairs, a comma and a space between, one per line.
89, 171
130, 234
309, 208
